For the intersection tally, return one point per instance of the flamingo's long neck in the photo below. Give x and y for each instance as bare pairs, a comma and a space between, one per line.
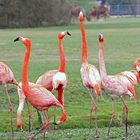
62, 56
25, 84
84, 44
101, 60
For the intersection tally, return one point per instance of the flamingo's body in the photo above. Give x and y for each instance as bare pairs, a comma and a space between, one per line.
7, 77
89, 74
46, 79
54, 80
90, 77
118, 85
39, 97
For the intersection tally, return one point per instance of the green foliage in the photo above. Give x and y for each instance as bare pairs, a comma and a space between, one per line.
121, 49
30, 13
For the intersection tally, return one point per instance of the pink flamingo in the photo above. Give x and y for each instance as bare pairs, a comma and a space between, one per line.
56, 79
51, 80
116, 86
39, 97
89, 74
7, 77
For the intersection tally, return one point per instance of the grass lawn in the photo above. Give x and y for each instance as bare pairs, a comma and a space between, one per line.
122, 47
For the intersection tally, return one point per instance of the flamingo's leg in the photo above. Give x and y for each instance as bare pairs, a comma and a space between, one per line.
126, 116
112, 118
91, 109
95, 115
45, 124
29, 116
60, 91
32, 116
10, 108
54, 115
39, 119
122, 115
46, 119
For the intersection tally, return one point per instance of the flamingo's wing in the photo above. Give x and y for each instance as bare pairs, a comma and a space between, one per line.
46, 79
130, 76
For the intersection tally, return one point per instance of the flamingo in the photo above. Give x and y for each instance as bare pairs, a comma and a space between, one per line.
56, 79
51, 80
39, 97
89, 74
7, 77
117, 86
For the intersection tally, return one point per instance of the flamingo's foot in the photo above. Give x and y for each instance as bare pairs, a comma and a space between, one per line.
124, 138
97, 136
44, 131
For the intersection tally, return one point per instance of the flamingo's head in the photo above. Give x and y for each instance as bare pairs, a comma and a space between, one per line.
81, 16
62, 34
137, 65
101, 38
25, 41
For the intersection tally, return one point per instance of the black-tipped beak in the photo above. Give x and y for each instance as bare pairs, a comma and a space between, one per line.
54, 123
17, 39
99, 36
68, 34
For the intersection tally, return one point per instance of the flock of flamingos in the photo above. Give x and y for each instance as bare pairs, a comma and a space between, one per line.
40, 96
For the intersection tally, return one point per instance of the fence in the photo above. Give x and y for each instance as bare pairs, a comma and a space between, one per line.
126, 9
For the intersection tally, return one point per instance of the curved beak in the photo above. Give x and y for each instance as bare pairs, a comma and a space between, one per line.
68, 34
17, 39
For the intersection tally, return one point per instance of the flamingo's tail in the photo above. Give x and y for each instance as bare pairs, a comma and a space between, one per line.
132, 90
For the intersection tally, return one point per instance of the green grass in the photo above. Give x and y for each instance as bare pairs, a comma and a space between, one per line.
122, 47
117, 133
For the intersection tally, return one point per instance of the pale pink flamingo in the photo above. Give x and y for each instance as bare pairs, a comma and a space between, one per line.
7, 77
51, 80
39, 97
116, 86
89, 74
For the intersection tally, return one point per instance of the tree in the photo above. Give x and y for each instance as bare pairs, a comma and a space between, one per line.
32, 13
